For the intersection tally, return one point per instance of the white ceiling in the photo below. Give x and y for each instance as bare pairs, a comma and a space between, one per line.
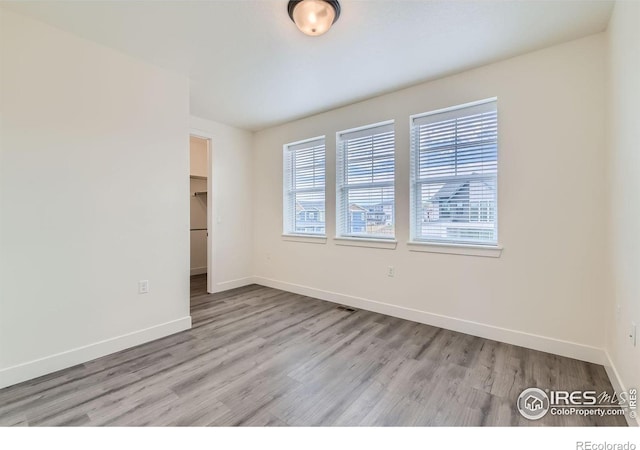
250, 67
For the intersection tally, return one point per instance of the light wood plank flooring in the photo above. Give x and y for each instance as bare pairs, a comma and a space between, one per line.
263, 357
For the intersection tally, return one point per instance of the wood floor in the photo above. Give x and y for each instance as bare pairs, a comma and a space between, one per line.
258, 356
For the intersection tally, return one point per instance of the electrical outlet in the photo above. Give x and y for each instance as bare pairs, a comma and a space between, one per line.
143, 287
391, 271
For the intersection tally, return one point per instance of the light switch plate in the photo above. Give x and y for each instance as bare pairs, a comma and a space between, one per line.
143, 287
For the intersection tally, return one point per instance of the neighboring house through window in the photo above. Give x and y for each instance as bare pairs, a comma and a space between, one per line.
304, 187
454, 175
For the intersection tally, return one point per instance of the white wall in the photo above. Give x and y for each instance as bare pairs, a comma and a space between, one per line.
94, 197
623, 89
230, 200
548, 283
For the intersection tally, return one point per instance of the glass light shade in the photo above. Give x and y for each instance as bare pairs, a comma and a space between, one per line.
314, 17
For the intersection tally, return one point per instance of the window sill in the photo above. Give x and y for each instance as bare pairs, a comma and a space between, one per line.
305, 238
389, 244
487, 251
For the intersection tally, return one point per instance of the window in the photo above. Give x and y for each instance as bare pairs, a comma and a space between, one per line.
454, 174
304, 180
365, 182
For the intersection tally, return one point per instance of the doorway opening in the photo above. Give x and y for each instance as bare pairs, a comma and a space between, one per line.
200, 204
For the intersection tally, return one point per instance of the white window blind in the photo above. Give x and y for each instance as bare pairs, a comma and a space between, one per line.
365, 175
304, 185
454, 156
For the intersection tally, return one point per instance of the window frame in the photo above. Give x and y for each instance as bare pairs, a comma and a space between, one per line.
288, 210
418, 243
342, 237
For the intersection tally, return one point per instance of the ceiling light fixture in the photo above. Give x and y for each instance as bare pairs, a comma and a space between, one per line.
314, 17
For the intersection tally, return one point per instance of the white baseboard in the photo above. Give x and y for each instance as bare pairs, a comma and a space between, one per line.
232, 284
618, 386
532, 341
198, 270
43, 366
